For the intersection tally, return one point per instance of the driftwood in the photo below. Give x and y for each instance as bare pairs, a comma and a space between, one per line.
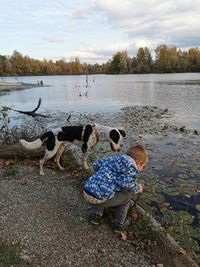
177, 256
69, 117
33, 112
17, 151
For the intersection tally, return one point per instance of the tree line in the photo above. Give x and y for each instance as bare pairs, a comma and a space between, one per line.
166, 60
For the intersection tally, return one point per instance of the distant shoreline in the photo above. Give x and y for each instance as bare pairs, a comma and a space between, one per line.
6, 87
8, 84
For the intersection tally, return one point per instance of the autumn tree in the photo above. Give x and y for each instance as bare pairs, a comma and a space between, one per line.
143, 61
119, 63
167, 59
194, 59
17, 61
183, 61
3, 65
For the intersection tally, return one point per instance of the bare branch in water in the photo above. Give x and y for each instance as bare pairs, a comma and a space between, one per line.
33, 112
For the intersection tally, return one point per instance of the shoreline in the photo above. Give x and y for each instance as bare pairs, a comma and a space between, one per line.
7, 87
171, 148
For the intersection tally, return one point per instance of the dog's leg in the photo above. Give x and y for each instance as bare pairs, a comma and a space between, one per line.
85, 163
48, 155
58, 155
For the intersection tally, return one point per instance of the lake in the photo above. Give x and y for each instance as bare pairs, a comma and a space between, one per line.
108, 93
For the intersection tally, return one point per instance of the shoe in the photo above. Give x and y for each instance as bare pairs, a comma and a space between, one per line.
118, 228
95, 219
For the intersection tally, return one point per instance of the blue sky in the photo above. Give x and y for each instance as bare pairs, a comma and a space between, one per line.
94, 30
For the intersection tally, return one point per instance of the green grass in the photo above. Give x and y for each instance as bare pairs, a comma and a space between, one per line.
11, 170
9, 256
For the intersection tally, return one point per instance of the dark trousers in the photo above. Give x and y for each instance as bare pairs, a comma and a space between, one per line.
121, 201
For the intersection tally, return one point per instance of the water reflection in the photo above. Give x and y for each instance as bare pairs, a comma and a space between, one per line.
108, 93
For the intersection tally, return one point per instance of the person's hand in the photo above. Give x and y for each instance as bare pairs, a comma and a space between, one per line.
141, 188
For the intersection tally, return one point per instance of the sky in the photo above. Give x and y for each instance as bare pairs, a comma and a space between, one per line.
94, 30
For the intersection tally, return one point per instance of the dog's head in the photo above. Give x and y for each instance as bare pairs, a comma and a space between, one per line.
115, 137
97, 132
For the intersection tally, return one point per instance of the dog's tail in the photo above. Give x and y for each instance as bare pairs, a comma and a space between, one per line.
35, 144
31, 145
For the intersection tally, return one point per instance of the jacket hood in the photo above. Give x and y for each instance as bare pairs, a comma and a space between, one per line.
123, 164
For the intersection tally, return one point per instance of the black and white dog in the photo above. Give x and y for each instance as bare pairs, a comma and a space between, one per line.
85, 136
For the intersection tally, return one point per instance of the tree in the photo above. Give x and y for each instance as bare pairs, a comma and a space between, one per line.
168, 59
144, 60
194, 59
2, 65
161, 58
119, 63
183, 61
17, 61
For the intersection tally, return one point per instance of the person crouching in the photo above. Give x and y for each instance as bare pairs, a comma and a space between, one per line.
112, 183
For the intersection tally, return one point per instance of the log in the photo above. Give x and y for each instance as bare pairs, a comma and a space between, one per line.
17, 151
177, 256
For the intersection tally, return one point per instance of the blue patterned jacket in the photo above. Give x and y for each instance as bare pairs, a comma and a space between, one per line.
112, 174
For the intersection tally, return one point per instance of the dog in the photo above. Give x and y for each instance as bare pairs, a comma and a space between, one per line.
85, 136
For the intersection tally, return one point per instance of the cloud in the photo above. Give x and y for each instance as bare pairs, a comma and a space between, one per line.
99, 53
84, 56
96, 29
79, 14
155, 21
55, 39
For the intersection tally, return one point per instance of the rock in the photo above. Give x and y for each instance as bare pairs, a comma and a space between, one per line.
25, 257
182, 129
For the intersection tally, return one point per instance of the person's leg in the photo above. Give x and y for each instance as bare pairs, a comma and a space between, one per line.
120, 201
96, 214
97, 209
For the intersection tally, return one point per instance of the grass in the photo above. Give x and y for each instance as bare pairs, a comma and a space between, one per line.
9, 256
11, 169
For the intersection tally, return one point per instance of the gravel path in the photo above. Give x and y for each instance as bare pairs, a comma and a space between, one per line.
47, 217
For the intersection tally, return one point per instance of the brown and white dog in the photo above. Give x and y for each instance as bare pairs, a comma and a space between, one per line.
85, 136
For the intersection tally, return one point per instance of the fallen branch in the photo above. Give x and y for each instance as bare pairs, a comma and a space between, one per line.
33, 112
69, 118
177, 255
17, 151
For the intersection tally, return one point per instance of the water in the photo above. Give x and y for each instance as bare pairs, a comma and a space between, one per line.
108, 93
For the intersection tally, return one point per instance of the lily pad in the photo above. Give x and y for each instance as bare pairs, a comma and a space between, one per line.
183, 176
171, 191
198, 207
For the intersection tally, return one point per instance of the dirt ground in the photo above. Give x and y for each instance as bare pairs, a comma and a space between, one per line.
48, 218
